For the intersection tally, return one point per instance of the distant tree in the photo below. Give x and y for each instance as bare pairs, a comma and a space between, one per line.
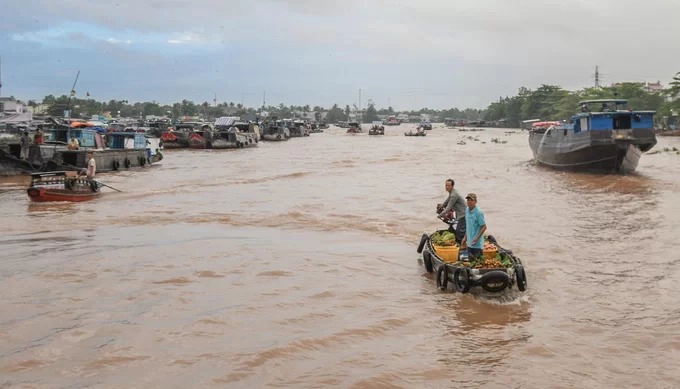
371, 114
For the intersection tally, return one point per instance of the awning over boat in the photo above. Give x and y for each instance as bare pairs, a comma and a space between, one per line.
17, 118
225, 121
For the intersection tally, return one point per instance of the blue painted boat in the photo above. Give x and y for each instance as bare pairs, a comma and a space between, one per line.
604, 137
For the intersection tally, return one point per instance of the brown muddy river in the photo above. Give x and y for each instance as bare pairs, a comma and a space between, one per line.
294, 265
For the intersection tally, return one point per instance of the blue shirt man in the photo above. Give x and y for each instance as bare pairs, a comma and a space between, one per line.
475, 226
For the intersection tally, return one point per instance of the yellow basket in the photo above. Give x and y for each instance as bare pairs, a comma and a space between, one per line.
490, 254
448, 254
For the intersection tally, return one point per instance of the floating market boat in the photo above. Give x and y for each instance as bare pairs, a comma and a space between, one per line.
498, 269
392, 121
426, 125
276, 132
62, 186
377, 129
611, 139
201, 139
354, 128
177, 138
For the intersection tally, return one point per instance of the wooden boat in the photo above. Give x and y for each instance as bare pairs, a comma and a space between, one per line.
417, 133
276, 133
392, 121
450, 265
233, 138
354, 128
177, 138
62, 186
609, 140
201, 139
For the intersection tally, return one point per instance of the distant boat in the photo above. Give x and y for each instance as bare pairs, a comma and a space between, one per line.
354, 128
611, 139
61, 186
392, 121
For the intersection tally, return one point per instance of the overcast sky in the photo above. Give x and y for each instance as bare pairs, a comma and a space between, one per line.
408, 53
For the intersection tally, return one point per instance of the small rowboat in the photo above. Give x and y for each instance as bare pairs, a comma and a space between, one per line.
62, 186
410, 133
463, 277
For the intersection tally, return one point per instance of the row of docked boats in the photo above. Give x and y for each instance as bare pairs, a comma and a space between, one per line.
64, 146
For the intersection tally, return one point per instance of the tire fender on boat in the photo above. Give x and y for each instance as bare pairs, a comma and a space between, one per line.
116, 165
427, 261
461, 280
127, 162
142, 161
278, 136
442, 277
423, 240
496, 277
33, 192
521, 276
69, 183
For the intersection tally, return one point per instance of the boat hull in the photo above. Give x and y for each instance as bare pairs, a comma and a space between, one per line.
414, 134
588, 151
41, 195
276, 137
376, 132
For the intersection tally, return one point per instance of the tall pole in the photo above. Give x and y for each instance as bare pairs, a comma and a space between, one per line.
264, 98
360, 116
597, 76
0, 75
73, 91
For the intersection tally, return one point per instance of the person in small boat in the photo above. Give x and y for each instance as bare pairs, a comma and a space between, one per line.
475, 227
25, 145
73, 144
91, 169
454, 202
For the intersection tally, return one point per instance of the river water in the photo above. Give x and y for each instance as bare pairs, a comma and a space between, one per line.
294, 265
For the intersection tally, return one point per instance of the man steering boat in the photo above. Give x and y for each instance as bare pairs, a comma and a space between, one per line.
454, 202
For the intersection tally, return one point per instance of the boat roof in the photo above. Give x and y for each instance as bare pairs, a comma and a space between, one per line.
48, 174
615, 101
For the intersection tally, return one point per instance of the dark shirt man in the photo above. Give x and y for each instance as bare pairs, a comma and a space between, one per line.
454, 203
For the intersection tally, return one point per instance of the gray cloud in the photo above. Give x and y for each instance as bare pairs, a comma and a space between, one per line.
456, 52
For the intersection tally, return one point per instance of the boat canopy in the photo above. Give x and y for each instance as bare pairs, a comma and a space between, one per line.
225, 121
545, 124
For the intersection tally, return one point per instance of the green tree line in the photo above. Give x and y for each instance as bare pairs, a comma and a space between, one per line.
551, 102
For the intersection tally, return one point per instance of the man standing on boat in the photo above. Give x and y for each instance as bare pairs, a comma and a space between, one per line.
91, 169
25, 145
475, 227
453, 203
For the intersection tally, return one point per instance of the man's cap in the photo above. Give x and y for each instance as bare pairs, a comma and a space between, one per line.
471, 196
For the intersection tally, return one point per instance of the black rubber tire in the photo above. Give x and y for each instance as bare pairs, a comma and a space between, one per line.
423, 240
457, 285
115, 165
521, 276
427, 261
494, 276
127, 163
442, 277
278, 136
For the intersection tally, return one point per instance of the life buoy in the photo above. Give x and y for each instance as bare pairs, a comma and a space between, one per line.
442, 277
427, 261
423, 240
494, 281
521, 278
127, 162
461, 280
116, 165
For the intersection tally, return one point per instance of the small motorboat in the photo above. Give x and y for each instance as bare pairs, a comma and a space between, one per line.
62, 186
498, 269
417, 133
377, 129
354, 128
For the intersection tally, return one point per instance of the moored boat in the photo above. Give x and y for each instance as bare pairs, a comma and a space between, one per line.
276, 132
392, 121
498, 269
201, 139
611, 139
178, 137
61, 186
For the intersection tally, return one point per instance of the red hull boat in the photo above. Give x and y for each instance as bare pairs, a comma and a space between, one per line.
61, 186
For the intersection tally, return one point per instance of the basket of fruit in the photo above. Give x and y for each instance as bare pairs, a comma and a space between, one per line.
445, 246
